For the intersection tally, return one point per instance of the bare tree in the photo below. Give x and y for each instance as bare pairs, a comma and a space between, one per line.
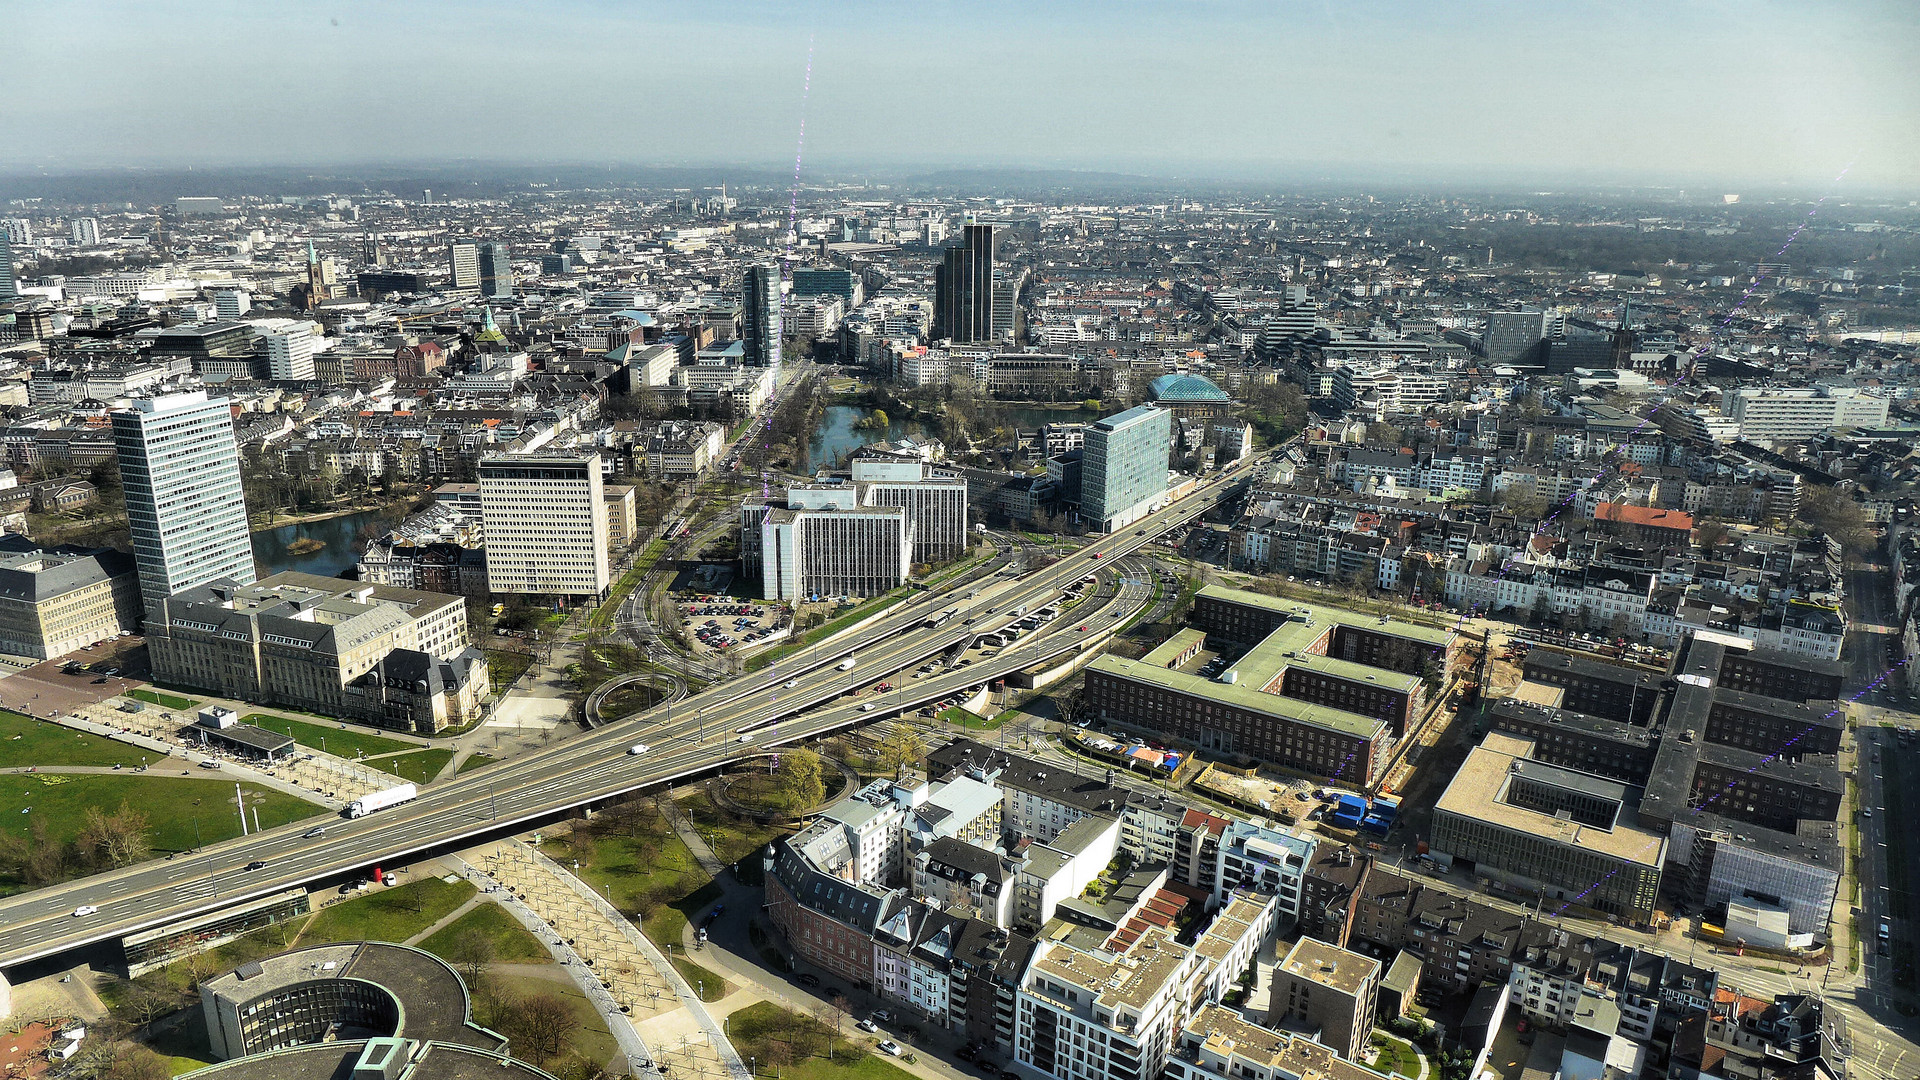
538, 1026
472, 951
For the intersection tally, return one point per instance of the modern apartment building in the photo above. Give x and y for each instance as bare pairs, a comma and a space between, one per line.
1095, 1015
1328, 992
180, 470
1221, 1044
545, 518
393, 657
463, 261
53, 602
1123, 471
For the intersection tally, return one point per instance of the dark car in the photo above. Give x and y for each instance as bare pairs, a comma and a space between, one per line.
257, 864
1009, 1074
807, 980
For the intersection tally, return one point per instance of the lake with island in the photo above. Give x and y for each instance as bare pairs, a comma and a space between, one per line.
323, 547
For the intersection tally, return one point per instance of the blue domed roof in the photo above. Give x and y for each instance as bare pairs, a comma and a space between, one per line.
1186, 388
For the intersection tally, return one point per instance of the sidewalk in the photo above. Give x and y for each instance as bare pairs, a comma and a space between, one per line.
639, 983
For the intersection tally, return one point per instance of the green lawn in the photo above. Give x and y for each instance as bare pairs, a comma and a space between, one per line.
731, 840
25, 741
172, 804
387, 913
706, 985
475, 761
588, 1039
340, 742
959, 717
763, 1029
419, 766
1396, 1056
512, 943
505, 665
164, 700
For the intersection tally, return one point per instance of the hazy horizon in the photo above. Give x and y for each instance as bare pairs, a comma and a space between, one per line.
1763, 97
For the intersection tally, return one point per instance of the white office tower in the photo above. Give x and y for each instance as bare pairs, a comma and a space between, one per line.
936, 504
9, 286
231, 303
180, 470
838, 549
86, 231
290, 354
463, 259
545, 520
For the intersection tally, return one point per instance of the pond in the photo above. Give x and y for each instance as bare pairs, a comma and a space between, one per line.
839, 434
339, 538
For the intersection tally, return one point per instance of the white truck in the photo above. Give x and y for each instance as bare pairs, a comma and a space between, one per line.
847, 664
380, 800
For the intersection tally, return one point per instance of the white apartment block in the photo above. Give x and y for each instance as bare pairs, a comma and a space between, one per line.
545, 518
232, 303
1097, 1016
1255, 855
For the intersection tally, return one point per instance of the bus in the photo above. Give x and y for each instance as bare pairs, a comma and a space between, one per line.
942, 618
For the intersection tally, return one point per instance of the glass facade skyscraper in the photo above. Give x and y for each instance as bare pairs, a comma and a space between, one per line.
760, 315
1123, 470
496, 270
8, 288
180, 469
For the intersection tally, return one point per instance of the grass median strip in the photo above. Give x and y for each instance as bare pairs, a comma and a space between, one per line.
165, 701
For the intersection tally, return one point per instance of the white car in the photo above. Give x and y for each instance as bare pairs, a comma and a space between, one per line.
867, 1025
889, 1048
748, 737
868, 707
84, 910
791, 683
638, 748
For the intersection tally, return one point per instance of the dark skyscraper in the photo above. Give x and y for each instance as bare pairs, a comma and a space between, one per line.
963, 288
496, 270
760, 315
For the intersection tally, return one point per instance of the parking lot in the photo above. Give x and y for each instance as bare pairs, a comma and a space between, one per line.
53, 687
724, 624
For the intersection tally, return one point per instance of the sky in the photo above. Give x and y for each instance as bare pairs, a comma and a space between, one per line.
1742, 94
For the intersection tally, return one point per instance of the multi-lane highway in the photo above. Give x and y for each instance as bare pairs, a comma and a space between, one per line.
800, 697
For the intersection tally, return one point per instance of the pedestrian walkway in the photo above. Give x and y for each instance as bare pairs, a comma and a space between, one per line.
612, 1013
637, 977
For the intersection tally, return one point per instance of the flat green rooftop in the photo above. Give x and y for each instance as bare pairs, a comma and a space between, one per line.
1286, 647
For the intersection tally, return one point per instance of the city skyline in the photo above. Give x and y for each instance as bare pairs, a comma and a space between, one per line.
1698, 93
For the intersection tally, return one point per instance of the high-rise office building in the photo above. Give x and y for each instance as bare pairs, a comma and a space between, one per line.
290, 355
86, 231
19, 230
231, 303
463, 258
496, 270
9, 286
1514, 337
1123, 471
760, 315
180, 469
545, 519
963, 288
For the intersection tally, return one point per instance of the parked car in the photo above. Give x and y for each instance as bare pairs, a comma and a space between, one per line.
889, 1048
867, 1025
807, 980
